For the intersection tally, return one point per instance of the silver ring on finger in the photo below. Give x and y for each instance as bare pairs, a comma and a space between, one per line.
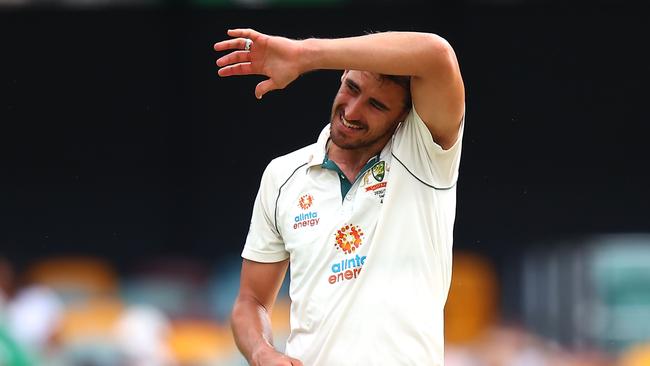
247, 45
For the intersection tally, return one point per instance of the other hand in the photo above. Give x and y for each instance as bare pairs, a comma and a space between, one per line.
278, 58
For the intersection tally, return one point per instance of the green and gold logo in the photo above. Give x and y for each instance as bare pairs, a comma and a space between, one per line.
379, 170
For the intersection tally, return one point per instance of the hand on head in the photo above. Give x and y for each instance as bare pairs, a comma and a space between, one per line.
274, 57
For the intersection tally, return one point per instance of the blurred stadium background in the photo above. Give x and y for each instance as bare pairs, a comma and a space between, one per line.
128, 170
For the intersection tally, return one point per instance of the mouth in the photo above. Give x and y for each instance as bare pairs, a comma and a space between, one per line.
347, 124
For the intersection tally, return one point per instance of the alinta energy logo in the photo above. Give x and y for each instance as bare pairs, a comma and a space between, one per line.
348, 239
305, 201
306, 219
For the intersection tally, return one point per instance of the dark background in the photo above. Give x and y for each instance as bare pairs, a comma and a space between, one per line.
118, 139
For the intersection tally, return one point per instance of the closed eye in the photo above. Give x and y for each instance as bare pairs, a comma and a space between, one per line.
353, 86
378, 105
355, 89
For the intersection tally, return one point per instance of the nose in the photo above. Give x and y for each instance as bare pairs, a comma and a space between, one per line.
352, 110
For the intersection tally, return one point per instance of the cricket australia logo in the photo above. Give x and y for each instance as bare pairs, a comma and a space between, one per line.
378, 171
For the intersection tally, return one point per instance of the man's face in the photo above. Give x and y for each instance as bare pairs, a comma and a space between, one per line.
366, 111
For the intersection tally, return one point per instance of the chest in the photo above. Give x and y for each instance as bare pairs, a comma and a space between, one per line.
313, 211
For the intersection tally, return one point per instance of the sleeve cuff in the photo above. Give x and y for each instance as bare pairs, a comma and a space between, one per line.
264, 257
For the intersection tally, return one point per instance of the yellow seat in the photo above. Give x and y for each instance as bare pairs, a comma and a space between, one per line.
638, 355
95, 318
472, 304
196, 342
74, 278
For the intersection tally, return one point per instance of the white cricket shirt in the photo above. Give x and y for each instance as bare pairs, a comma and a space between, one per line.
370, 271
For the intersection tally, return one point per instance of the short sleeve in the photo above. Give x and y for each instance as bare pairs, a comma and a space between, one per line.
263, 242
413, 147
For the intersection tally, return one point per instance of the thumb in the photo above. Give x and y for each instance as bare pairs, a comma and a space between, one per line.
264, 87
295, 362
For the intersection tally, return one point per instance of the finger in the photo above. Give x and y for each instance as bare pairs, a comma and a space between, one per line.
264, 87
230, 44
295, 362
243, 68
244, 33
234, 58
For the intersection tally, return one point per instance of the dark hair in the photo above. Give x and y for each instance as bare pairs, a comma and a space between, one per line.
404, 82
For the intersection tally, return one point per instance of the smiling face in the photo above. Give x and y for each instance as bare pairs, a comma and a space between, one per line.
366, 111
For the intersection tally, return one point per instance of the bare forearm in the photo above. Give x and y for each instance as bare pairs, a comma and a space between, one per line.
251, 328
395, 53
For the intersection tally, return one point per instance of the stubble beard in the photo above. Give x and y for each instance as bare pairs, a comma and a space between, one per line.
356, 144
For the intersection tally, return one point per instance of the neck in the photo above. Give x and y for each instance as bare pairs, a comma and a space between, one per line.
350, 161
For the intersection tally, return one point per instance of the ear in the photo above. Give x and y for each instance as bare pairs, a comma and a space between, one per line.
345, 72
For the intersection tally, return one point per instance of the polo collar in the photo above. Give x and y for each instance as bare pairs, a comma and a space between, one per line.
320, 148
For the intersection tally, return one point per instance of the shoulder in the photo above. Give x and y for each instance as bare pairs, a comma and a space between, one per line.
280, 169
415, 131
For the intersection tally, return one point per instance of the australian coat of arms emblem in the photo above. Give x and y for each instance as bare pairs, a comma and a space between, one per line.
379, 170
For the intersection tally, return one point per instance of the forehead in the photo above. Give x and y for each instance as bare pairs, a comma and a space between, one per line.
377, 86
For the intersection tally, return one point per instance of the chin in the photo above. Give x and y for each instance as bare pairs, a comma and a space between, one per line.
344, 143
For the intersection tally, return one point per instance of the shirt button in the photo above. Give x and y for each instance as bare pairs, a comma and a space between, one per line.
348, 197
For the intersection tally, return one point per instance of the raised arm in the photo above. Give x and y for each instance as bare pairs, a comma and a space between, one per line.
436, 84
251, 324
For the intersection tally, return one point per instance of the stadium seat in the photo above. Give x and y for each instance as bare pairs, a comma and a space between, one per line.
200, 342
74, 278
472, 304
